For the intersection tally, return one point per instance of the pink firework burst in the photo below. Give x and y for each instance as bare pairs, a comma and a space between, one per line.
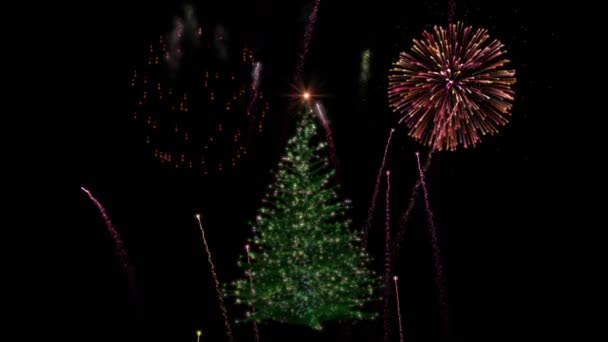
453, 87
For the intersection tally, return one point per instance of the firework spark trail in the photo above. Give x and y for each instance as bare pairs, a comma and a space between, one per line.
406, 215
255, 76
328, 134
220, 296
439, 276
256, 331
119, 246
312, 20
395, 278
372, 206
408, 211
254, 97
387, 261
255, 82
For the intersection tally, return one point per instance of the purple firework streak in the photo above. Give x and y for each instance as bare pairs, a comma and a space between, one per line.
439, 276
255, 76
372, 206
312, 20
218, 291
119, 247
328, 134
395, 279
405, 217
387, 261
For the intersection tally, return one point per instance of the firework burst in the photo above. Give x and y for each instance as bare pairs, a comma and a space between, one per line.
198, 101
452, 88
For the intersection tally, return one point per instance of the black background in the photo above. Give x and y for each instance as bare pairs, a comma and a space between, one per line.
483, 198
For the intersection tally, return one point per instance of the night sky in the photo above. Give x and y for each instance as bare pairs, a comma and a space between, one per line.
481, 196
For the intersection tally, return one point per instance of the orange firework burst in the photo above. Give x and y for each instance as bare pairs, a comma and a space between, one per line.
452, 88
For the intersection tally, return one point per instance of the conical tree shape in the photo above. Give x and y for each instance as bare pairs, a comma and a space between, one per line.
307, 265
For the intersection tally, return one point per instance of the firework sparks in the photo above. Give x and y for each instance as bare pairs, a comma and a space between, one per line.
395, 278
121, 253
218, 291
119, 247
387, 260
184, 111
328, 134
256, 74
312, 20
175, 52
408, 211
372, 206
439, 276
255, 82
452, 88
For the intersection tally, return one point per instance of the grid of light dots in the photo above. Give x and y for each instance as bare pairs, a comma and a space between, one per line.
308, 266
452, 88
194, 126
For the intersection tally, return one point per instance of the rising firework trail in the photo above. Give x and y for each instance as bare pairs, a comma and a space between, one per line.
312, 20
255, 82
256, 331
218, 291
328, 134
405, 217
372, 206
387, 261
119, 247
408, 211
439, 276
395, 278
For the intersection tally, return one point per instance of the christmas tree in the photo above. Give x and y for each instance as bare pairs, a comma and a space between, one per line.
304, 265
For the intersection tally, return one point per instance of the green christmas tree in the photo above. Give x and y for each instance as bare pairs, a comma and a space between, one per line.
307, 265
